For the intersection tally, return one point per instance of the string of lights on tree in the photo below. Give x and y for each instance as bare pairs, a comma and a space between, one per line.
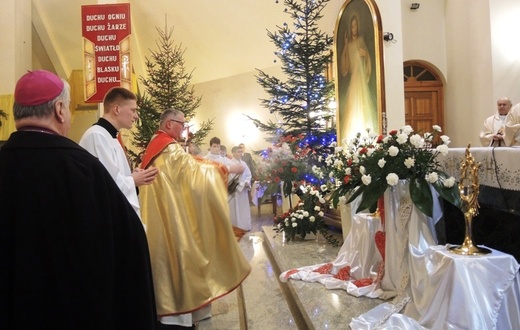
300, 101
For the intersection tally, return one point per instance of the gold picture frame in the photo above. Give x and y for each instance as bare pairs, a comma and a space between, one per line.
358, 49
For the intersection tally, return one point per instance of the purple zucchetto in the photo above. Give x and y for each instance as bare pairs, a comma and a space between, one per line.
37, 87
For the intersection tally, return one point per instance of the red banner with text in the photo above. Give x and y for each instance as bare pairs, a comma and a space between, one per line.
106, 49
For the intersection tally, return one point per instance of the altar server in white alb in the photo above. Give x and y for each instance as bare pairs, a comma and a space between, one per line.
239, 208
104, 141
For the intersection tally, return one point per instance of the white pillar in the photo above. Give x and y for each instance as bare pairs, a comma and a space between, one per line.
15, 42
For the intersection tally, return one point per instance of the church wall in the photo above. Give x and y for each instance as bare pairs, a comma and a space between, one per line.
226, 99
473, 43
505, 47
469, 86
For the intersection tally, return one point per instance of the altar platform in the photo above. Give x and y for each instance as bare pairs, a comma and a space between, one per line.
264, 302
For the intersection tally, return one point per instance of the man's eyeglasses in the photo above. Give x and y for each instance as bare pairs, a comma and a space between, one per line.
180, 122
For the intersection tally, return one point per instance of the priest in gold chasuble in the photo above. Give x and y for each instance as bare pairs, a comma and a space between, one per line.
195, 256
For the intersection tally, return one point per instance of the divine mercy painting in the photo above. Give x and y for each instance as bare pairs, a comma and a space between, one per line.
359, 69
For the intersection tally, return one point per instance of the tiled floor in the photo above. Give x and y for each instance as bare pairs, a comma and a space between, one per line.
263, 303
259, 302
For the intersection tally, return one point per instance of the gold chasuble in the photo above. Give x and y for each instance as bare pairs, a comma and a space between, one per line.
194, 254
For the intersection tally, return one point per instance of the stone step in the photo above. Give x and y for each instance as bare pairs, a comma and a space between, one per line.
318, 307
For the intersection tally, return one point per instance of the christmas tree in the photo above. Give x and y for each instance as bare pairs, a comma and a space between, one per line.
300, 100
167, 86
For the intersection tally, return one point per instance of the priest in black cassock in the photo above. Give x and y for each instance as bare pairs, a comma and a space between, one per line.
73, 252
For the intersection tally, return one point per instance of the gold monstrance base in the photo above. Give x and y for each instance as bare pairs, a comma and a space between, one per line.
468, 249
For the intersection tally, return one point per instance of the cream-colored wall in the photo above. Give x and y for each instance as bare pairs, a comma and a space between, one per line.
505, 49
15, 42
469, 87
424, 34
227, 99
393, 63
473, 43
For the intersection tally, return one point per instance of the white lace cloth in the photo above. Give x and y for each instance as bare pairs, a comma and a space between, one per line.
500, 166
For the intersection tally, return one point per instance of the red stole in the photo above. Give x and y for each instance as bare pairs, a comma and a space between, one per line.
157, 144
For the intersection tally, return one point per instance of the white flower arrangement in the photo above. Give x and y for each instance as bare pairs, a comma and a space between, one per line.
369, 164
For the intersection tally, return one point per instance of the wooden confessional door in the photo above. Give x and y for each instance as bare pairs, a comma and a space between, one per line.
423, 97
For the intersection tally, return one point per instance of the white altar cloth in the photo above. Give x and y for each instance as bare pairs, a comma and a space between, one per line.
466, 292
500, 166
456, 292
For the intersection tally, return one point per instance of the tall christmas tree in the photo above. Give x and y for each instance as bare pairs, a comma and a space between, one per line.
167, 86
301, 99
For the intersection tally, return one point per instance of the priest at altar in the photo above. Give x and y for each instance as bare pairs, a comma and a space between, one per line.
195, 257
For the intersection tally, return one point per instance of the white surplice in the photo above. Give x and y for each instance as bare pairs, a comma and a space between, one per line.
239, 208
98, 141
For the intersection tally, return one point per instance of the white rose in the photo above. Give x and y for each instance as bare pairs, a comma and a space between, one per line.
437, 128
294, 224
366, 179
348, 171
306, 214
432, 177
362, 169
381, 162
343, 199
445, 139
409, 162
312, 218
443, 149
393, 151
317, 208
407, 129
417, 141
386, 139
392, 179
402, 138
331, 174
370, 151
322, 200
321, 213
293, 219
449, 182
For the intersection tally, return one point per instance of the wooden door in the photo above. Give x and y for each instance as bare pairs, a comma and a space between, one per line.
422, 109
423, 97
